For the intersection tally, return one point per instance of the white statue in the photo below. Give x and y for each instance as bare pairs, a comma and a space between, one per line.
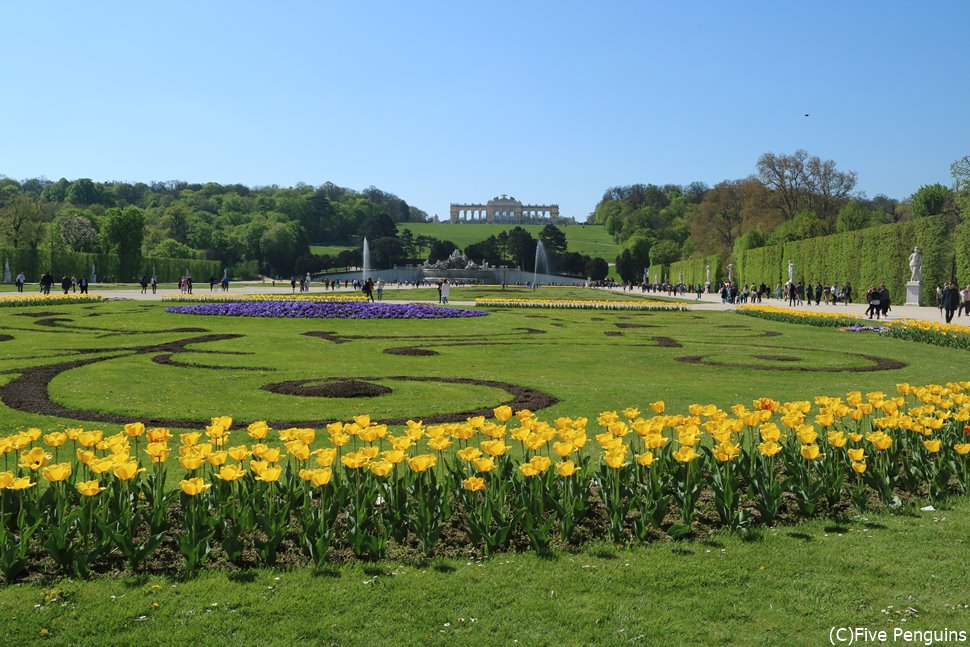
707, 274
916, 265
791, 272
730, 272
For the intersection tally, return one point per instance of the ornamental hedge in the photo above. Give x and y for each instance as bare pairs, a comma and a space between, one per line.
693, 269
865, 257
33, 263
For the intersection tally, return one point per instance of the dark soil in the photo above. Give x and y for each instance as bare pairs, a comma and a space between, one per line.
878, 364
329, 389
667, 342
410, 350
634, 325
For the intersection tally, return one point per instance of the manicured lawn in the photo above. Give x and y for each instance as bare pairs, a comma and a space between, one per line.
585, 239
780, 585
789, 586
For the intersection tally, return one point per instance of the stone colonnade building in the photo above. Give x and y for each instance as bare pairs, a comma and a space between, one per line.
504, 209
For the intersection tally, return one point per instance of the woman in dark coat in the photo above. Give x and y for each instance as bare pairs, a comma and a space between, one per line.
950, 300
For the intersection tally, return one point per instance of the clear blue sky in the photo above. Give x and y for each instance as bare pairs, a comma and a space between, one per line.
439, 102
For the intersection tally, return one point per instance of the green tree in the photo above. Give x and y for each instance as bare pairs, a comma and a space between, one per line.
931, 200
664, 252
122, 231
386, 252
522, 248
170, 248
960, 170
553, 239
21, 222
77, 230
597, 269
856, 216
280, 244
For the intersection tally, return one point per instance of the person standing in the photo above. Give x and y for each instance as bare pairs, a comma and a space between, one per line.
883, 301
21, 279
144, 284
445, 291
951, 299
847, 293
380, 289
66, 283
154, 283
818, 292
82, 284
966, 299
368, 289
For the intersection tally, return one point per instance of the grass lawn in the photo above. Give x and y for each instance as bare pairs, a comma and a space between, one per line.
586, 239
784, 585
789, 586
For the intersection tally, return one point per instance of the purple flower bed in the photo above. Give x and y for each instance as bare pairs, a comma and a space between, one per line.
324, 310
879, 329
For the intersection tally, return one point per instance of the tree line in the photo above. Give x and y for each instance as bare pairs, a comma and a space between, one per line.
790, 197
263, 230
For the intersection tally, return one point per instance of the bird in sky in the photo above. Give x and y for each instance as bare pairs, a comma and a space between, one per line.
806, 114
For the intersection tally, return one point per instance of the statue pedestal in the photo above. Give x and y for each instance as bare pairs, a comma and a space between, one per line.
912, 293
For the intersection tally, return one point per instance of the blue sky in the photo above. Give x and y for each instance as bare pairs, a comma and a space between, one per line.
439, 102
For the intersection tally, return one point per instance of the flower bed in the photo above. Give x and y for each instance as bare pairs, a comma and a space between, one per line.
927, 332
219, 297
86, 497
20, 299
580, 304
308, 309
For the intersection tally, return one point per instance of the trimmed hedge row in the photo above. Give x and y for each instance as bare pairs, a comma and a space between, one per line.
865, 257
694, 271
33, 263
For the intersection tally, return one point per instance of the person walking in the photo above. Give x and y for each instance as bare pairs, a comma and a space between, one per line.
847, 293
368, 289
154, 283
82, 283
951, 299
21, 279
445, 291
380, 289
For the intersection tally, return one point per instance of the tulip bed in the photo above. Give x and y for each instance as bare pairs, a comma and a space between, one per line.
22, 299
928, 332
88, 500
217, 297
326, 310
580, 304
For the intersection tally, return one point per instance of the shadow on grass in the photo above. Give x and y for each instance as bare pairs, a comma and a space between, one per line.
874, 526
326, 571
680, 550
443, 567
375, 571
604, 553
711, 543
242, 577
135, 581
801, 535
837, 530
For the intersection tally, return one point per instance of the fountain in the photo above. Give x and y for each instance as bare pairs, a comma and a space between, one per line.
94, 276
541, 259
366, 261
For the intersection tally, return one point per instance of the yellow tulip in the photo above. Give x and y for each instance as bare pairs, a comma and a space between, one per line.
725, 452
89, 438
326, 456
258, 466
21, 483
395, 456
645, 459
157, 452
339, 440
484, 464
270, 474
856, 454
89, 488
217, 458
194, 486
494, 447
855, 437
541, 463
230, 473
134, 429
258, 430
474, 483
271, 455
56, 473
658, 406
354, 460
34, 459
881, 441
85, 457
439, 444
858, 467
321, 476
810, 452
685, 454
190, 438
381, 468
370, 452
422, 462
191, 461
101, 465
836, 438
127, 470
238, 453
655, 441
6, 478
468, 454
528, 469
932, 446
770, 432
566, 468
158, 435
962, 448
769, 448
55, 439
806, 434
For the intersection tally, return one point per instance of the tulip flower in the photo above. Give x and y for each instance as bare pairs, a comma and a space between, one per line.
962, 448
55, 439
932, 446
769, 448
21, 483
238, 453
158, 435
326, 456
194, 486
859, 467
381, 468
422, 462
474, 483
856, 454
127, 470
645, 459
134, 429
484, 464
230, 473
685, 454
810, 452
89, 488
6, 478
157, 452
56, 473
725, 452
34, 459
502, 413
191, 462
270, 474
190, 438
566, 468
258, 430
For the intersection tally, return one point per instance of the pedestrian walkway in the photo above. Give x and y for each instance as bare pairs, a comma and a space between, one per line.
707, 302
